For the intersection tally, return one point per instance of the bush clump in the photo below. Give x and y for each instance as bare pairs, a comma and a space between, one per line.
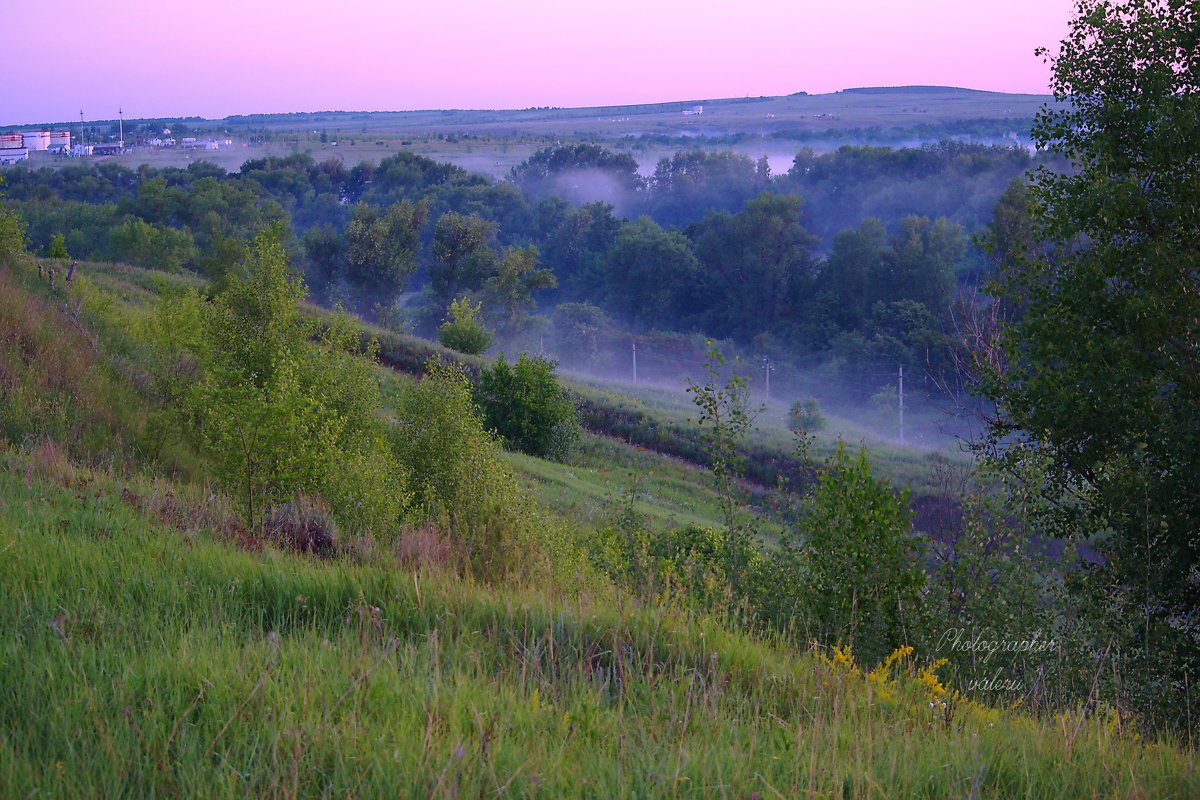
282, 407
460, 481
525, 405
805, 415
463, 332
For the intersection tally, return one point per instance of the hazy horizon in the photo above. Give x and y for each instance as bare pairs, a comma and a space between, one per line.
271, 56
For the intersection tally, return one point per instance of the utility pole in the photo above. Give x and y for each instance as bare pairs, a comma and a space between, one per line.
635, 361
901, 404
121, 128
767, 369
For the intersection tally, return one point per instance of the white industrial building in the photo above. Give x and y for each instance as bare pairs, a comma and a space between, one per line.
17, 146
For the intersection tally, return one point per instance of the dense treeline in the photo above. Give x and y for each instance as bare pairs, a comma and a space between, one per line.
848, 261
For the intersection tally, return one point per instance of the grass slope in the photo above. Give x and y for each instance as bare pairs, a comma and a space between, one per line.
144, 657
153, 649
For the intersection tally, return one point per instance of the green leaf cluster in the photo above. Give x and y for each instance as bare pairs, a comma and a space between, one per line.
58, 247
805, 415
458, 475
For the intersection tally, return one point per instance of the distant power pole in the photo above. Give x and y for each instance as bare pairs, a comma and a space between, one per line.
635, 361
767, 370
901, 404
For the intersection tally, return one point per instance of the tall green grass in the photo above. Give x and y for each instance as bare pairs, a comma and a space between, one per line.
144, 657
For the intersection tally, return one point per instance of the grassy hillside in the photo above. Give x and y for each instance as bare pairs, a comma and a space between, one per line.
147, 657
156, 647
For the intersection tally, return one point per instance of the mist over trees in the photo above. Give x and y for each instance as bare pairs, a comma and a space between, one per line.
848, 261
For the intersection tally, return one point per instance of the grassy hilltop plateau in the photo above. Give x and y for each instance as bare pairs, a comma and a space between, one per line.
556, 453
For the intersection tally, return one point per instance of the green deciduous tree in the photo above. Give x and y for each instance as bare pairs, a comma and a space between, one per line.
1102, 374
578, 329
511, 288
381, 249
146, 245
651, 275
856, 269
848, 567
460, 477
577, 247
755, 263
12, 232
726, 417
578, 171
283, 408
924, 257
463, 257
689, 184
58, 247
804, 416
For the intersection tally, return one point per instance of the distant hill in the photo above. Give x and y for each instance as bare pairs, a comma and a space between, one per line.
915, 90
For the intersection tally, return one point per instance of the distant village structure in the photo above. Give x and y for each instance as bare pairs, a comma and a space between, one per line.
17, 145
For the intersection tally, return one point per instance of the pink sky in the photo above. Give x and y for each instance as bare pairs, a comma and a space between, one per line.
213, 58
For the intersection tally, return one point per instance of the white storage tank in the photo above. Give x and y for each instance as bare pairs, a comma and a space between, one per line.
37, 140
10, 140
60, 140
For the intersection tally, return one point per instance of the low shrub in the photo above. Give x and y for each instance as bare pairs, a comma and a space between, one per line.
805, 415
463, 332
525, 405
